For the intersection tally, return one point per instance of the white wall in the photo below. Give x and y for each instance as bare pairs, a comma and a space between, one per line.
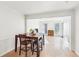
77, 29
11, 23
32, 24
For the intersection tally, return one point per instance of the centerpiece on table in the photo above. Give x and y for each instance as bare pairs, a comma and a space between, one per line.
32, 32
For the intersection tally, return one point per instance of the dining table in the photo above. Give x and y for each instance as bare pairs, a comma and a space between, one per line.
33, 37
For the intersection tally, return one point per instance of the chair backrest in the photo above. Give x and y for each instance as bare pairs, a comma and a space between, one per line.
21, 37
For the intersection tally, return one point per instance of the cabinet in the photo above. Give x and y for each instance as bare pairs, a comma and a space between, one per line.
50, 33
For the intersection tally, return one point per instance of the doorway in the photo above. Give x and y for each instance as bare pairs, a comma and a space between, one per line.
62, 30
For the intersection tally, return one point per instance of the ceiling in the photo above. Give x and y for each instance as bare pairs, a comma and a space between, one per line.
34, 7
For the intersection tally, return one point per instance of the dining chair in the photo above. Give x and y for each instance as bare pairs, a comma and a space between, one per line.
24, 40
35, 45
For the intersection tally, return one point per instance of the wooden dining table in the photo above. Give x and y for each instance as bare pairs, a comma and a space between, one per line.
34, 37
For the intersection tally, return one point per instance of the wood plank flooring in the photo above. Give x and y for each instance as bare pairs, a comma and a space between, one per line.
49, 50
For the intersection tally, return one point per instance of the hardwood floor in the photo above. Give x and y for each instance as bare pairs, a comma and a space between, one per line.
49, 50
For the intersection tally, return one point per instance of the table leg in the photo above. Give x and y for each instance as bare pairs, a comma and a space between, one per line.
16, 43
43, 40
38, 52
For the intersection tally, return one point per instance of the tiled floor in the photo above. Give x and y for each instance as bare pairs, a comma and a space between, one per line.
52, 48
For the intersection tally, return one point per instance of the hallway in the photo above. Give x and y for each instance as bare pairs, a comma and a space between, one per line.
53, 48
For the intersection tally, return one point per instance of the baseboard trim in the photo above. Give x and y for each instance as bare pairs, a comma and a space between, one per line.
6, 52
77, 53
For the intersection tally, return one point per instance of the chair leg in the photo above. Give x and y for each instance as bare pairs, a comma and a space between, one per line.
32, 48
26, 50
20, 50
41, 46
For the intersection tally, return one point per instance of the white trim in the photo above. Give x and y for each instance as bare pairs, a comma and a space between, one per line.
6, 52
77, 53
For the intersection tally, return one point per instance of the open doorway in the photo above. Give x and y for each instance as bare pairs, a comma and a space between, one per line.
60, 28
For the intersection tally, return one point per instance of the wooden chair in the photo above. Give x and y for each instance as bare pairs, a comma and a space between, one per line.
24, 41
35, 45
